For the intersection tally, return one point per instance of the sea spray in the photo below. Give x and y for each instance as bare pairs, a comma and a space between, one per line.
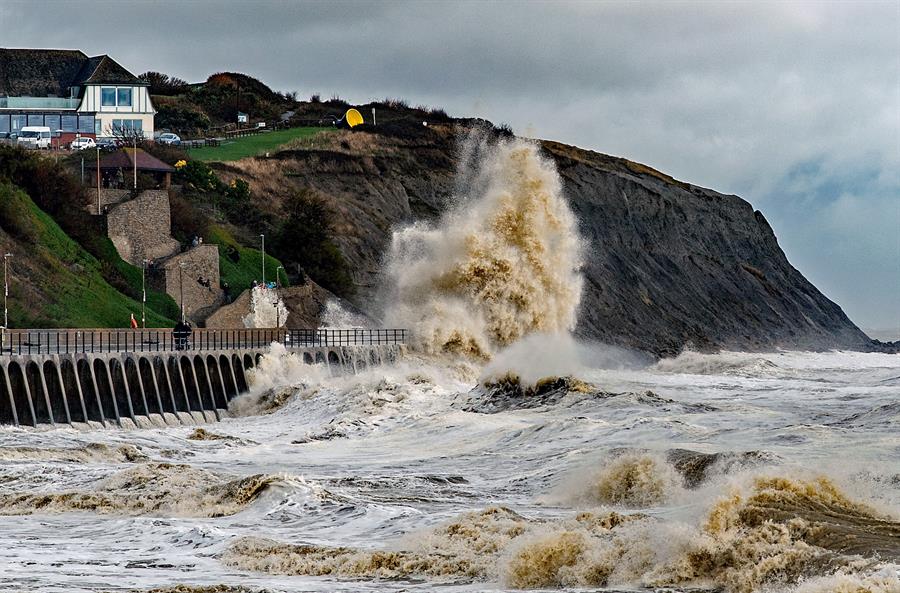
503, 263
267, 309
335, 316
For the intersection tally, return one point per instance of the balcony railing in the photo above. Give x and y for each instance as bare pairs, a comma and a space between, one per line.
82, 341
38, 103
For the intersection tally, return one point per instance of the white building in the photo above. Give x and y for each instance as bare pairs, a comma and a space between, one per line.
71, 93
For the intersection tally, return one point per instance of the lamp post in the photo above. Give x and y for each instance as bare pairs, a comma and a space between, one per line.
181, 287
263, 237
275, 299
143, 294
6, 257
98, 180
134, 158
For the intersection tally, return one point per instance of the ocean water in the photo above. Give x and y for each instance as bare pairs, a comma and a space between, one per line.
497, 454
748, 472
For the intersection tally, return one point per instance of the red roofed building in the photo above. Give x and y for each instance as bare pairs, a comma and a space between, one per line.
118, 168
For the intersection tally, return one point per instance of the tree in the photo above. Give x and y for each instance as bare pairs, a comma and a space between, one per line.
163, 84
305, 238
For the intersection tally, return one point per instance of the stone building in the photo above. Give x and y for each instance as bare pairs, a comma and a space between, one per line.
192, 279
140, 228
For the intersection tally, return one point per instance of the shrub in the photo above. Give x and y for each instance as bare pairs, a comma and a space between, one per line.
166, 153
181, 119
198, 176
304, 238
188, 221
235, 202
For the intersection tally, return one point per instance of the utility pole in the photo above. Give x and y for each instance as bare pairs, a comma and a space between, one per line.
263, 237
143, 295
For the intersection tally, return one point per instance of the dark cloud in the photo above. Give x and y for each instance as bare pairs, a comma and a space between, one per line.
794, 106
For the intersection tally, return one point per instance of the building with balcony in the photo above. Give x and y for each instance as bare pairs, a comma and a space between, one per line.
72, 94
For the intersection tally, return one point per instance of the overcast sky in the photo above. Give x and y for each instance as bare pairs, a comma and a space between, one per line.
793, 106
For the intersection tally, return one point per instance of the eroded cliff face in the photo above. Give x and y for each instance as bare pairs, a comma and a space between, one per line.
669, 265
674, 265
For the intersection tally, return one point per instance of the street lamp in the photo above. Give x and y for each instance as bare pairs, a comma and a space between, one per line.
277, 277
143, 294
263, 237
134, 157
6, 257
181, 287
98, 180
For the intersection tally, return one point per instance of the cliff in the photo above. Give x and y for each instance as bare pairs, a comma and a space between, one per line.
670, 265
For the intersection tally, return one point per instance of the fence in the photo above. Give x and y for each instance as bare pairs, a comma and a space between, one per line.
81, 341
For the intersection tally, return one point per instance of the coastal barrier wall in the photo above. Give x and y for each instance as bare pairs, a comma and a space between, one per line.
161, 385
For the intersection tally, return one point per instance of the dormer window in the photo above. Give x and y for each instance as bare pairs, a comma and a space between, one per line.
108, 96
125, 97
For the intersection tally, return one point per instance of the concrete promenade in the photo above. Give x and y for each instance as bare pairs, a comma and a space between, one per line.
97, 377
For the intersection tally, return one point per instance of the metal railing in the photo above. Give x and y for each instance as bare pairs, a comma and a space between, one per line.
81, 341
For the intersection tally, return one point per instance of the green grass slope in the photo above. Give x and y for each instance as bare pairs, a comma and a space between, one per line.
54, 282
239, 266
239, 148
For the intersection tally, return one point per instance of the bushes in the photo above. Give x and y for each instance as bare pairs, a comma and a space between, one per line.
233, 199
305, 239
181, 119
196, 175
188, 221
166, 152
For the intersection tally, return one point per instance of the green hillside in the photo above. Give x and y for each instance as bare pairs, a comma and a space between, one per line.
239, 148
54, 282
239, 266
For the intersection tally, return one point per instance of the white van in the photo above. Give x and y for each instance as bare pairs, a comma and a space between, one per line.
35, 137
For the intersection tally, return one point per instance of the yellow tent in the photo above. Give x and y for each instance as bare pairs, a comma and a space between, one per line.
353, 118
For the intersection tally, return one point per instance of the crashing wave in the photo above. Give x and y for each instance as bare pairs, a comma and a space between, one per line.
149, 489
89, 453
502, 264
774, 532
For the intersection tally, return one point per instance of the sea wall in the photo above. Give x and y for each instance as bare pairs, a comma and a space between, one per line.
146, 389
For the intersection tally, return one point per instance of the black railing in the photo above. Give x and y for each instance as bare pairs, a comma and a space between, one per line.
81, 341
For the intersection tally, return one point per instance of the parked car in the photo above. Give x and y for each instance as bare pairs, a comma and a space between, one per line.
35, 137
169, 138
82, 143
107, 144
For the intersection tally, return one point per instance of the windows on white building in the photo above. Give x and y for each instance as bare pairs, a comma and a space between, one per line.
111, 96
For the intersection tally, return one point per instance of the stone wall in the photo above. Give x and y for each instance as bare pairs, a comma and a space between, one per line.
200, 266
140, 228
108, 197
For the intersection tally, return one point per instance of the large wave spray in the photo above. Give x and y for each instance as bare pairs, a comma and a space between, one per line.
503, 263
